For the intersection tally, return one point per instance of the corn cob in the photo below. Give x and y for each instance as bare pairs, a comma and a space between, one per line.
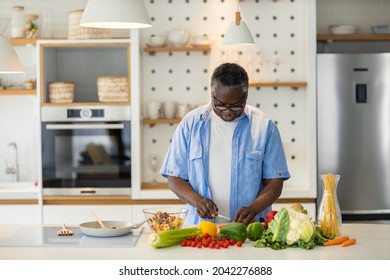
171, 237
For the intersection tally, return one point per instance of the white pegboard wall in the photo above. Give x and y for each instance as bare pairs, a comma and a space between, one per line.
280, 54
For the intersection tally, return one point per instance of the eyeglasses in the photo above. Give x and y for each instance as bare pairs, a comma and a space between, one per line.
232, 108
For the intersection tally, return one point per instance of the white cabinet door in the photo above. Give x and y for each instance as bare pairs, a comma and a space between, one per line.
76, 214
20, 214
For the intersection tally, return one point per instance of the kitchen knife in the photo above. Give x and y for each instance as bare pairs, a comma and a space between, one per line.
223, 217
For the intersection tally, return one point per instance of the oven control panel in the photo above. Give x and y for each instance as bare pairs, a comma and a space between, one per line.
85, 113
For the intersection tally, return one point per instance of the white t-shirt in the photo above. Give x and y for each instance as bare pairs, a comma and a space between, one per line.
220, 158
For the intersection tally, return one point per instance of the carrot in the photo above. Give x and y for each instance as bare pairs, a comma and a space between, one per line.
336, 241
222, 225
348, 242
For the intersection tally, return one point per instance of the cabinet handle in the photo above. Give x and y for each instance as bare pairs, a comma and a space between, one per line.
84, 126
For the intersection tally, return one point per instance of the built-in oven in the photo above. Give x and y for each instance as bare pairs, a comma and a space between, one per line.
86, 150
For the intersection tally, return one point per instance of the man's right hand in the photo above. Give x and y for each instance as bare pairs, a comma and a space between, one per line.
206, 208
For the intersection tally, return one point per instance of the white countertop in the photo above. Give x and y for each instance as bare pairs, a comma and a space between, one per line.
373, 242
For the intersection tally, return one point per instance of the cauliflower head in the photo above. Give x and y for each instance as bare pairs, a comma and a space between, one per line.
301, 227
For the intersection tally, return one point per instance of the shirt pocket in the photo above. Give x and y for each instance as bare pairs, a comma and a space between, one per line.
195, 153
253, 164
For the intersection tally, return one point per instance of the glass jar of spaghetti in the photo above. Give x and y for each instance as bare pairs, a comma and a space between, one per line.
329, 213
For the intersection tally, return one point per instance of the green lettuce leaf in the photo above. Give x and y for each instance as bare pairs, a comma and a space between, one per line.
279, 226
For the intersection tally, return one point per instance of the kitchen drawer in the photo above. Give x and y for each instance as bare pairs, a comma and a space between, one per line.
20, 214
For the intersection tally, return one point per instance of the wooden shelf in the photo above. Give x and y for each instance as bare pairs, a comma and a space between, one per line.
76, 104
353, 37
152, 123
204, 49
293, 85
23, 41
18, 91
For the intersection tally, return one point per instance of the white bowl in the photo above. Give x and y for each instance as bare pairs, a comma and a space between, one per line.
178, 38
201, 40
157, 41
343, 29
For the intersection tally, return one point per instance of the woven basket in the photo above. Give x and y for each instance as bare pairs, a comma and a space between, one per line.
75, 31
61, 92
113, 89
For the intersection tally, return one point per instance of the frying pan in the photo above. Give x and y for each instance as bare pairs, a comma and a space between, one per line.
115, 228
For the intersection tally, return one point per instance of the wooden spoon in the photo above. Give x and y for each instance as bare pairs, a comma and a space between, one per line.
100, 222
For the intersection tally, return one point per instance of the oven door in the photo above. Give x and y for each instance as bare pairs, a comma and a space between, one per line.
86, 158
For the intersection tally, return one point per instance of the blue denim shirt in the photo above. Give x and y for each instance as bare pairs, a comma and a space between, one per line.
257, 153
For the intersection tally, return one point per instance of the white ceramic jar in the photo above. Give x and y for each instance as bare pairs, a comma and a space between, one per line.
17, 22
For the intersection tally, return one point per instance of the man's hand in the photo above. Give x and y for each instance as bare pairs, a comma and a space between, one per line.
245, 215
206, 208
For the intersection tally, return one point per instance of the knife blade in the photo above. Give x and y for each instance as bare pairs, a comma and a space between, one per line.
223, 217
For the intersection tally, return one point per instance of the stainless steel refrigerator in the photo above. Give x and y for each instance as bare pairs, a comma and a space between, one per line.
353, 121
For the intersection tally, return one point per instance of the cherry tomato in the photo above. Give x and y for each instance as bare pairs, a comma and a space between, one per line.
239, 243
206, 243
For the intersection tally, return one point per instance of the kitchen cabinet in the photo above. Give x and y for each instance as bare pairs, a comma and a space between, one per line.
353, 37
20, 213
81, 62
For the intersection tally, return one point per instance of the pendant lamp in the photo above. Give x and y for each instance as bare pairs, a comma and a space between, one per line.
9, 60
115, 14
238, 32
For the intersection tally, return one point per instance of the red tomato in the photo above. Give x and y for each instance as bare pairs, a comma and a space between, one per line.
206, 243
232, 241
199, 245
239, 243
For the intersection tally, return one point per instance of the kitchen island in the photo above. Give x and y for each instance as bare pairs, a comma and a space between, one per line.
373, 243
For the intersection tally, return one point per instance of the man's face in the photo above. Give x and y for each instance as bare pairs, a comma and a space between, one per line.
228, 102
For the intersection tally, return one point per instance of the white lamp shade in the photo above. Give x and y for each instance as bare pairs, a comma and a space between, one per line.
238, 34
9, 60
115, 14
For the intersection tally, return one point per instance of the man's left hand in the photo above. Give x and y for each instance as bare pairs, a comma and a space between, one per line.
245, 215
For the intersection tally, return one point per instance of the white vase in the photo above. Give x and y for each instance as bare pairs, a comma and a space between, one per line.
153, 109
169, 109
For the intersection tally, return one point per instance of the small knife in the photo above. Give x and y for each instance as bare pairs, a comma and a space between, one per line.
223, 217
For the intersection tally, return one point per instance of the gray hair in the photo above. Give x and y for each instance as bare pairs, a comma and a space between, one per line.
230, 75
